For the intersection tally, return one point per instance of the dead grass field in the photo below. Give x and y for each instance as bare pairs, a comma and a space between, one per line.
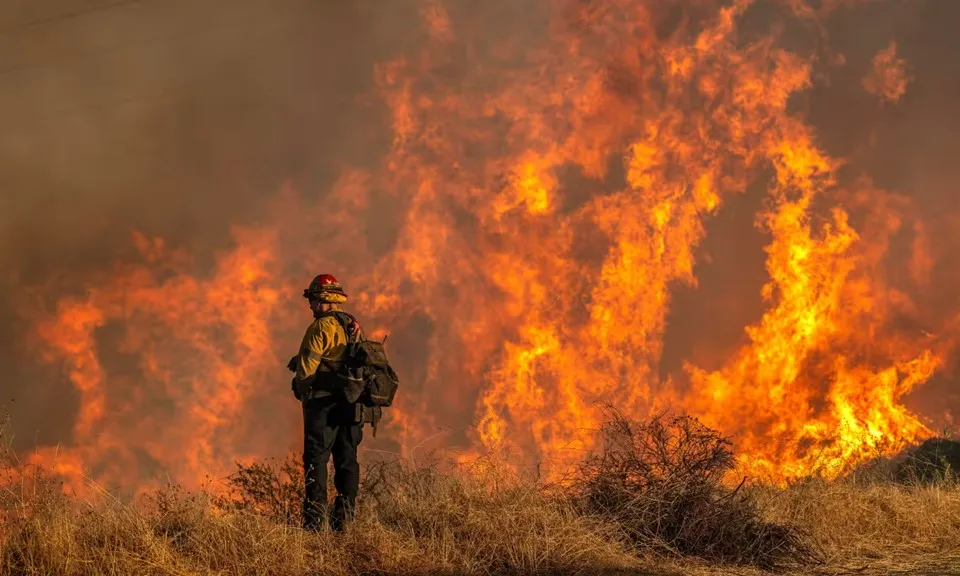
485, 520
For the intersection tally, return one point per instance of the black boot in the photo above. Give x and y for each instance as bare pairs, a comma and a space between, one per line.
342, 514
314, 516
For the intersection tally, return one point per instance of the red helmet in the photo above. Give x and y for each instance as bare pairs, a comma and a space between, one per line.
324, 283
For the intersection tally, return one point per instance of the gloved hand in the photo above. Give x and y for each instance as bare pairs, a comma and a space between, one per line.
295, 388
293, 363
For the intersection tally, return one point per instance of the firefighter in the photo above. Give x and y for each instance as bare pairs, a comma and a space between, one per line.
330, 425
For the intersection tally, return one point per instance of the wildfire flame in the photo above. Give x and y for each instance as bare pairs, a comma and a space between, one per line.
551, 187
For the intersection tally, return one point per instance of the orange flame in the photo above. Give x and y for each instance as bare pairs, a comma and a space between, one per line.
551, 188
202, 344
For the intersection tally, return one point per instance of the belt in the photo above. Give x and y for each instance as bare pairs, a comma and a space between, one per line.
315, 394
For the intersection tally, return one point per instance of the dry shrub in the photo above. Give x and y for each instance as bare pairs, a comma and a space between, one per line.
937, 460
269, 488
662, 482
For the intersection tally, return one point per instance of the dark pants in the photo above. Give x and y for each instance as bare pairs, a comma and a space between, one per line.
329, 427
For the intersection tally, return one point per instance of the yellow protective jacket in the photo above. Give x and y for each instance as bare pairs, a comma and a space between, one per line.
321, 351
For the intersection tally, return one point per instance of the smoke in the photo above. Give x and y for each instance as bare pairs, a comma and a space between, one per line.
172, 118
182, 118
908, 147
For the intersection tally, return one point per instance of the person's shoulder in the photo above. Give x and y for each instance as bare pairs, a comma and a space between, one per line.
328, 322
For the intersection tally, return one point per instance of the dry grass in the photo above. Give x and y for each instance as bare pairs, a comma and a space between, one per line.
873, 522
414, 520
453, 529
417, 520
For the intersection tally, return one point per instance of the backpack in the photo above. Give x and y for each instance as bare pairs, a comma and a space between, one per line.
364, 376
